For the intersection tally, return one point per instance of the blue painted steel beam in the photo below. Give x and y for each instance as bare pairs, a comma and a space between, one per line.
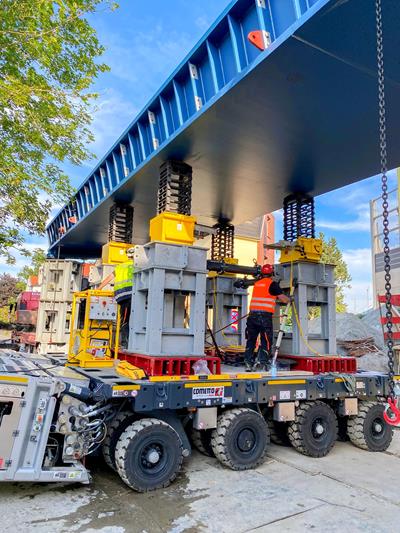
255, 126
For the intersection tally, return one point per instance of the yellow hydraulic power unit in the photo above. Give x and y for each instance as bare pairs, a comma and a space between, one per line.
303, 249
114, 253
94, 329
172, 227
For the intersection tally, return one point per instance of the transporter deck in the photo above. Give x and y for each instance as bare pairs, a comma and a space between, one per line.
234, 387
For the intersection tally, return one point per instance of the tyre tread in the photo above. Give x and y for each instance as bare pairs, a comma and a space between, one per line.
198, 442
294, 429
122, 446
218, 440
108, 453
355, 426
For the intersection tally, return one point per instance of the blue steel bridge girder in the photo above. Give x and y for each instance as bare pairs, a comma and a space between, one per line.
255, 126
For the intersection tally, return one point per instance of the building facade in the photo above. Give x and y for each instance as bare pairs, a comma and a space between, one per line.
378, 270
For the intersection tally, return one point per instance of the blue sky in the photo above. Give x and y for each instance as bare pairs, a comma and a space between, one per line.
145, 41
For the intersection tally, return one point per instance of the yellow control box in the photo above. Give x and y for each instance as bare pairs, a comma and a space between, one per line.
114, 253
95, 323
305, 249
171, 227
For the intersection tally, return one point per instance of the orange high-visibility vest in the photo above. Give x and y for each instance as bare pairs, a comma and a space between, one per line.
262, 300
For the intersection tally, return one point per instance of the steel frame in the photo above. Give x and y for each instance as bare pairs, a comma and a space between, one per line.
214, 64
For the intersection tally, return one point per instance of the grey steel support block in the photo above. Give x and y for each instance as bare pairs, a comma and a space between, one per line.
168, 300
315, 287
225, 301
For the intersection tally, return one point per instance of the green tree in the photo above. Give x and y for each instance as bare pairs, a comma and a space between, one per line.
10, 287
48, 61
38, 257
332, 254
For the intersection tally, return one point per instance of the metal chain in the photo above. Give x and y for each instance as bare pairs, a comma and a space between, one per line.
385, 203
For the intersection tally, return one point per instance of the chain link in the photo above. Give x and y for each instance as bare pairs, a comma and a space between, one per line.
385, 203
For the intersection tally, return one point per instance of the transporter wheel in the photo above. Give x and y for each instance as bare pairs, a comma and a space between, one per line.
368, 430
278, 431
148, 455
201, 440
342, 429
240, 439
114, 430
314, 430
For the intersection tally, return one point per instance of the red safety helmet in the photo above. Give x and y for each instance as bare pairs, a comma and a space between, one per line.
267, 270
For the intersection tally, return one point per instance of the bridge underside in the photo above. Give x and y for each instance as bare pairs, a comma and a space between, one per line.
303, 119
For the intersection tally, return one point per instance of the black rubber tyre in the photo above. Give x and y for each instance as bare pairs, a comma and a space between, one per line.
241, 438
115, 428
278, 432
149, 455
342, 429
201, 440
368, 430
314, 430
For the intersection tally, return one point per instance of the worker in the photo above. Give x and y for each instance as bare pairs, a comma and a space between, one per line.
259, 321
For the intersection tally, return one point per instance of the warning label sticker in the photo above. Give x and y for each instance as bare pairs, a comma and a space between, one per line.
205, 393
124, 393
76, 474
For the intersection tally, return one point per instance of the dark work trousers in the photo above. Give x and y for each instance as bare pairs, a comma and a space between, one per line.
259, 323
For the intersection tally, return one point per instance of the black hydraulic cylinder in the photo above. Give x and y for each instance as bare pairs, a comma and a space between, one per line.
226, 268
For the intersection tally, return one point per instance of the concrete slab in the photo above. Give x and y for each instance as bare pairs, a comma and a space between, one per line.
349, 491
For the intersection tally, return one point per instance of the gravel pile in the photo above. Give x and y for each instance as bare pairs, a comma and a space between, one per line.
353, 327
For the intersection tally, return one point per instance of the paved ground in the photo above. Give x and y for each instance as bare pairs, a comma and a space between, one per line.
348, 491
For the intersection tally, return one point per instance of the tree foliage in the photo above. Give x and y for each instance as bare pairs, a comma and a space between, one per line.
48, 61
10, 287
332, 254
38, 257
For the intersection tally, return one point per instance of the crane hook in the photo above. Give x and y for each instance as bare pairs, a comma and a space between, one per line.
392, 418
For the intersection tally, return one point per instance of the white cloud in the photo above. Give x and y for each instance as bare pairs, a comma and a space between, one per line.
202, 23
359, 296
112, 115
143, 59
359, 261
361, 222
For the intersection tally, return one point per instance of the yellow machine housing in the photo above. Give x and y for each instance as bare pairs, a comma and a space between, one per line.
94, 329
114, 253
172, 227
304, 249
125, 369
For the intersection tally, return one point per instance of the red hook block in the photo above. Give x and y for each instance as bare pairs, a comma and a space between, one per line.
392, 419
